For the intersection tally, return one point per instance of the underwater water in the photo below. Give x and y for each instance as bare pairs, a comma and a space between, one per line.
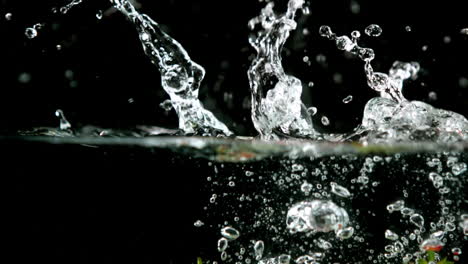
126, 140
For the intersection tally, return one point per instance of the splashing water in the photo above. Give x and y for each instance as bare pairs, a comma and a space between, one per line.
391, 117
314, 208
181, 77
277, 108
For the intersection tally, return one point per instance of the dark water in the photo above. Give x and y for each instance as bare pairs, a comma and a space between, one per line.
71, 203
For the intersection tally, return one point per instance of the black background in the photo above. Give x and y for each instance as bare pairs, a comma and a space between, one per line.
66, 205
109, 67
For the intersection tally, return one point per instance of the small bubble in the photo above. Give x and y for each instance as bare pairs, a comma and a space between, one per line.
58, 47
408, 29
311, 84
222, 244
424, 48
31, 33
99, 14
373, 30
325, 121
166, 105
8, 16
230, 233
464, 31
348, 99
433, 96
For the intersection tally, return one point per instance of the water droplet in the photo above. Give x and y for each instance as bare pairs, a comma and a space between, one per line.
166, 105
373, 30
230, 233
355, 35
339, 190
390, 235
464, 31
222, 244
198, 223
344, 43
366, 54
30, 33
325, 31
64, 124
408, 29
8, 16
348, 99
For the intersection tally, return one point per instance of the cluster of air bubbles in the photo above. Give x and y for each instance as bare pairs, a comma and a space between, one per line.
319, 216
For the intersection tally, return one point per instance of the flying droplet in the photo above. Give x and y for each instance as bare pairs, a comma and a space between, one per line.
166, 105
325, 31
344, 43
198, 223
373, 30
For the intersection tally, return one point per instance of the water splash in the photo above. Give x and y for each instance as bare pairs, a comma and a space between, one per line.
277, 109
180, 76
391, 117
